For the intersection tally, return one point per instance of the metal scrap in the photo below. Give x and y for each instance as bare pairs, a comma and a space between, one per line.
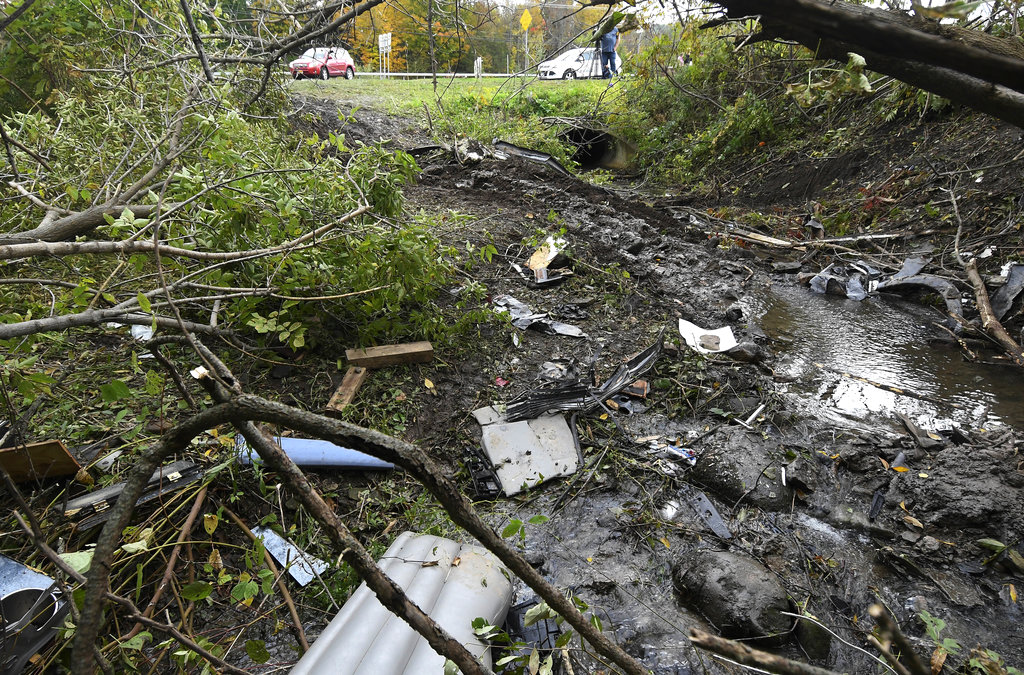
523, 317
94, 508
31, 610
1002, 299
577, 396
505, 148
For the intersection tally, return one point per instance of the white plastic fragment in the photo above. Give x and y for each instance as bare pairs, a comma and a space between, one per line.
302, 566
707, 341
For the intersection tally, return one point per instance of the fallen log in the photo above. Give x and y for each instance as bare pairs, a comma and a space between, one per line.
989, 322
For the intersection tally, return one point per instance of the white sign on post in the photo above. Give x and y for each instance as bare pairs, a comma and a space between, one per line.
384, 53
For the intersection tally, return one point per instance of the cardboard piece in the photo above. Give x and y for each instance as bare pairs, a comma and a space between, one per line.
46, 459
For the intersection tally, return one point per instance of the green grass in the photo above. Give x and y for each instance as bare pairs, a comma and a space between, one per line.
512, 109
405, 96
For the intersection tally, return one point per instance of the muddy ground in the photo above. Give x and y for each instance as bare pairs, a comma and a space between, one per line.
826, 503
826, 515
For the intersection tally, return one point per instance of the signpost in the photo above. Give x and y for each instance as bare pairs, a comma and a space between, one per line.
384, 53
525, 20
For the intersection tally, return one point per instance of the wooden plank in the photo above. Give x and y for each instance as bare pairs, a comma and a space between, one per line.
391, 355
46, 459
354, 378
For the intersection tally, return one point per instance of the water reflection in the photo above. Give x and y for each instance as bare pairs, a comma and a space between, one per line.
886, 341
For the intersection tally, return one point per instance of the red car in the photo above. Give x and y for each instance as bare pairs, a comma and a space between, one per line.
323, 62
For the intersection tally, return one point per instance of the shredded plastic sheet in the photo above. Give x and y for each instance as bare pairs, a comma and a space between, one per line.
707, 341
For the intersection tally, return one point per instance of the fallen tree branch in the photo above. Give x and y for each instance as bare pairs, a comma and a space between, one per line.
890, 632
77, 223
988, 320
245, 408
748, 656
95, 317
20, 249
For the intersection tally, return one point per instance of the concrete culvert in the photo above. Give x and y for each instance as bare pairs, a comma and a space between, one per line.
597, 149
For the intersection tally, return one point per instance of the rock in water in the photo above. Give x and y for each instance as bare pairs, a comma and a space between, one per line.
737, 594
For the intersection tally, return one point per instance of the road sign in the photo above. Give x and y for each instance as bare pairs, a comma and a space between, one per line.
525, 20
384, 43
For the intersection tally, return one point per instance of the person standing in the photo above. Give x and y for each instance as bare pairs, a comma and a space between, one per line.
609, 42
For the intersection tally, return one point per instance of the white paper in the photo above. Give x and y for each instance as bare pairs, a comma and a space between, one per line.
693, 333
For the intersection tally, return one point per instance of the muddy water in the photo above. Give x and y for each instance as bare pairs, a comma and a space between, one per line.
887, 341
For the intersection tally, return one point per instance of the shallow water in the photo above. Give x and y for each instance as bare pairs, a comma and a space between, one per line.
817, 338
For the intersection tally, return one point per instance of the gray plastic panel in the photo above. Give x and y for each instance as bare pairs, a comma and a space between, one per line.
365, 638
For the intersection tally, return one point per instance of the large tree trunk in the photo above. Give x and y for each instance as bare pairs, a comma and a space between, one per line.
975, 69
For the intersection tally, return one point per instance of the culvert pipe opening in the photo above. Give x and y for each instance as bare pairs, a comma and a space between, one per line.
597, 149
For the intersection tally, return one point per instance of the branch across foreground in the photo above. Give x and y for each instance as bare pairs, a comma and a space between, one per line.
242, 410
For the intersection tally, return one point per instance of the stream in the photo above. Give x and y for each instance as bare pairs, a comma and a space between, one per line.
888, 341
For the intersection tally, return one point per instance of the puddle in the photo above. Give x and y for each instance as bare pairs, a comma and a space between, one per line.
885, 341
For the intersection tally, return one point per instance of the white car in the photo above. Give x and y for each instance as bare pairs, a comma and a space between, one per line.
582, 62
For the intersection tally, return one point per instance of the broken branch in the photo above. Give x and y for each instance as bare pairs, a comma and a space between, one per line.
988, 319
749, 656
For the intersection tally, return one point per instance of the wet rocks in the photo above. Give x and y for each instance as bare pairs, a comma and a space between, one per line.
747, 352
962, 487
740, 464
737, 594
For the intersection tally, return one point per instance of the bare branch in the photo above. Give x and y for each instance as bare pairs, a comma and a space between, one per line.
196, 40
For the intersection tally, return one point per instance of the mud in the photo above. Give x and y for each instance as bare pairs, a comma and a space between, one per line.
796, 487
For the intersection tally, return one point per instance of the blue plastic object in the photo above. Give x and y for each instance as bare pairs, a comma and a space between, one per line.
309, 452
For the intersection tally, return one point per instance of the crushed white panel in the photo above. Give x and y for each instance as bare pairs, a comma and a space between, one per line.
527, 453
302, 566
453, 583
707, 341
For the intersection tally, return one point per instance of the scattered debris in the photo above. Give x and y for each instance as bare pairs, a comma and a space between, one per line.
638, 389
705, 510
94, 508
577, 396
30, 612
546, 253
924, 438
34, 461
1002, 299
311, 452
673, 451
503, 149
707, 341
949, 293
302, 566
344, 395
481, 473
527, 453
523, 317
453, 583
541, 635
391, 355
852, 280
